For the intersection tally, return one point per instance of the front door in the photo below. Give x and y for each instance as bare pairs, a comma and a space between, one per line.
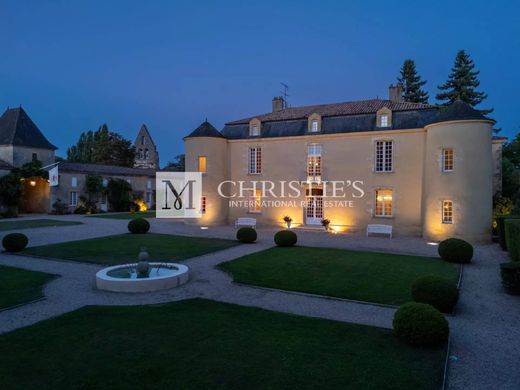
314, 209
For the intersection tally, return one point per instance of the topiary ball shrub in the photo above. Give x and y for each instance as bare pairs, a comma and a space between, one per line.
510, 273
456, 250
138, 226
247, 235
285, 238
439, 292
15, 242
421, 324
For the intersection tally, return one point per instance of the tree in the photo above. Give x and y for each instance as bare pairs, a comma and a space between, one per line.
412, 83
119, 194
511, 151
102, 147
93, 186
178, 164
461, 84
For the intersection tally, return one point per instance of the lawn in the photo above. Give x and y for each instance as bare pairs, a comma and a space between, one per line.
139, 214
200, 344
125, 247
19, 285
364, 276
34, 223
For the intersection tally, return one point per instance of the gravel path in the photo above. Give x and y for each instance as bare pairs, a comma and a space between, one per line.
485, 333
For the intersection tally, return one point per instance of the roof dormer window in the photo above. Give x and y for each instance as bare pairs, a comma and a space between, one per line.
384, 118
254, 128
314, 125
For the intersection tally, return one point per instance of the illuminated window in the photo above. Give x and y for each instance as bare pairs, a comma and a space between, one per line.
255, 130
447, 211
255, 161
202, 164
384, 156
383, 120
314, 162
447, 160
314, 125
255, 201
203, 205
73, 198
384, 203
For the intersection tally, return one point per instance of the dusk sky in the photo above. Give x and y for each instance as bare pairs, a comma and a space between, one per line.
170, 64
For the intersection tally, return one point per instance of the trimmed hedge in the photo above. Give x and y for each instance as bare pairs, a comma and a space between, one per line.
247, 235
501, 229
138, 226
510, 273
420, 324
285, 238
15, 242
512, 227
456, 250
439, 292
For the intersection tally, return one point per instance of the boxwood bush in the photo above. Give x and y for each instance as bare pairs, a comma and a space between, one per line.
15, 242
456, 250
138, 226
439, 292
285, 238
420, 324
246, 235
501, 229
510, 273
512, 227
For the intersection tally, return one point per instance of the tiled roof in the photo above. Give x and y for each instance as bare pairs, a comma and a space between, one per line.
98, 169
206, 129
336, 109
16, 128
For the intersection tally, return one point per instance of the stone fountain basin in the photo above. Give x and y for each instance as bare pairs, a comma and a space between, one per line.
175, 277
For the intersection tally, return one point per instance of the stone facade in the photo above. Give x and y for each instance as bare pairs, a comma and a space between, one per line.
439, 184
146, 154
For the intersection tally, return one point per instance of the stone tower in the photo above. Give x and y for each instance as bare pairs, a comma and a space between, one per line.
146, 155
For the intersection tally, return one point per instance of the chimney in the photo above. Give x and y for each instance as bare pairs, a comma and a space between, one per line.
278, 103
395, 93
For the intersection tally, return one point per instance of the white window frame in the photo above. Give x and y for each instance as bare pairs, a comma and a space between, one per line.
384, 156
447, 211
149, 184
73, 198
255, 205
383, 120
255, 130
255, 160
446, 161
314, 126
314, 162
383, 213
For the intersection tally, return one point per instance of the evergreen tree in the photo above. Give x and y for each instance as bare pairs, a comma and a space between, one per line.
102, 147
412, 83
461, 83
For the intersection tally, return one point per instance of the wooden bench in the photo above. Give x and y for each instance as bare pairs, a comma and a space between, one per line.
379, 229
248, 222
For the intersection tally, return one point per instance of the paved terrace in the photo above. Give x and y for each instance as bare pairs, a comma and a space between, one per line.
485, 334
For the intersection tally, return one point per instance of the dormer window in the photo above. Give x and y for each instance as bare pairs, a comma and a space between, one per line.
384, 118
254, 128
314, 124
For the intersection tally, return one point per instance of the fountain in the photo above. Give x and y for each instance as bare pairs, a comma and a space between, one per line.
142, 276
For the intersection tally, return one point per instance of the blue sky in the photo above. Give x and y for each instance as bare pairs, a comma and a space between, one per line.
170, 64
